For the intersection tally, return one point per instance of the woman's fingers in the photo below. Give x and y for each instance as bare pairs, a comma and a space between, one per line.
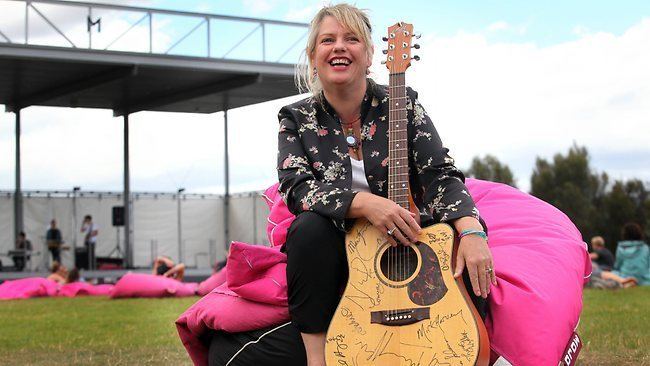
473, 278
483, 280
412, 229
400, 238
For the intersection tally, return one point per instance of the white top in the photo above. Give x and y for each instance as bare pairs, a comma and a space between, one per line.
87, 230
359, 180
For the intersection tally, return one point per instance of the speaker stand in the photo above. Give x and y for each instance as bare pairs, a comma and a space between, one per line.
117, 248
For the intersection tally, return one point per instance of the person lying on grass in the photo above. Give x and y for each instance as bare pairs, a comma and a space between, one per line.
58, 273
164, 266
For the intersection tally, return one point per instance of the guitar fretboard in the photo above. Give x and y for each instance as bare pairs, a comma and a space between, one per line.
398, 176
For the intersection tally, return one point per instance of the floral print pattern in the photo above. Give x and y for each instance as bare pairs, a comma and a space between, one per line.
314, 166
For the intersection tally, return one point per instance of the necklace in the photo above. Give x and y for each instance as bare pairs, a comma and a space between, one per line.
350, 138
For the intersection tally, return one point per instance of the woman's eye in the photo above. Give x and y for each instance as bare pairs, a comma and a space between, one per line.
327, 40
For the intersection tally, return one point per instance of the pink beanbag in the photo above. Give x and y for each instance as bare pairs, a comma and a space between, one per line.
257, 273
223, 310
27, 287
212, 282
147, 285
540, 261
279, 218
541, 265
84, 288
255, 286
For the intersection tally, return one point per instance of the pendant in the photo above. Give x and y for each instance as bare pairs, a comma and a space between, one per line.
352, 141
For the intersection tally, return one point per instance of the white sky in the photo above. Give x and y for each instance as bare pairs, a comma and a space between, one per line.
514, 100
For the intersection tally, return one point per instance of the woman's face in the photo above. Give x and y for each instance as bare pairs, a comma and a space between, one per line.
340, 57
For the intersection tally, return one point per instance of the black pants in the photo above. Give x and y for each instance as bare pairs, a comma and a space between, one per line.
56, 254
91, 255
317, 270
19, 262
275, 346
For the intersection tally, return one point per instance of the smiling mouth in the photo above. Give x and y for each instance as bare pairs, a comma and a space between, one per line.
340, 62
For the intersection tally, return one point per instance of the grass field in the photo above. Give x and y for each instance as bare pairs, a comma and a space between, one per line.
615, 329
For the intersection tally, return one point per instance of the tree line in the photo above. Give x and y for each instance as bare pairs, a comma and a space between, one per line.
596, 204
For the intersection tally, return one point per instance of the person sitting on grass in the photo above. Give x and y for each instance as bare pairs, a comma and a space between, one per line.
58, 273
600, 254
633, 255
164, 266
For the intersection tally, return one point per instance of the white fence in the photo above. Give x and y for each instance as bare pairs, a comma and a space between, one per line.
155, 224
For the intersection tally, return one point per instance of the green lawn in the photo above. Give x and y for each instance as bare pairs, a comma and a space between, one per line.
92, 331
615, 329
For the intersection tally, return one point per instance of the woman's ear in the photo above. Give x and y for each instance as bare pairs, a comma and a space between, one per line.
370, 55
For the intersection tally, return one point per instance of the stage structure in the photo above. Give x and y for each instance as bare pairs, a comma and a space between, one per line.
131, 59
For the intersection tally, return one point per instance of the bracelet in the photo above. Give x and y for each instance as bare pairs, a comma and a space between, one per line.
480, 233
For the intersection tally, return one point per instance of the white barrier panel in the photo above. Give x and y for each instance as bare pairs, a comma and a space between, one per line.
155, 224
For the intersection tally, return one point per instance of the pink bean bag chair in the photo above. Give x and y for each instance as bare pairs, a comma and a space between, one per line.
279, 218
540, 261
84, 289
28, 287
212, 282
541, 265
148, 285
255, 286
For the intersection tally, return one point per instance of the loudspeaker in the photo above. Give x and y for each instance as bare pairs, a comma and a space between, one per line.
81, 257
118, 215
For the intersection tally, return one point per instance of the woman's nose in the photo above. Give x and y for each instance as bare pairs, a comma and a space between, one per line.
339, 45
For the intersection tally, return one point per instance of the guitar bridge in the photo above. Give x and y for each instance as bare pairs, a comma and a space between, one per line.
399, 317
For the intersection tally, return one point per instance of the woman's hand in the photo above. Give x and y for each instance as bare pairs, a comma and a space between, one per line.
473, 253
396, 222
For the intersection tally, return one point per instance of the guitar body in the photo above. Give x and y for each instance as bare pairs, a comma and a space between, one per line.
402, 305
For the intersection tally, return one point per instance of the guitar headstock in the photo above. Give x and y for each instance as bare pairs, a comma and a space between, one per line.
398, 52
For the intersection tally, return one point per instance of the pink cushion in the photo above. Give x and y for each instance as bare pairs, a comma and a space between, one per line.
212, 282
541, 264
147, 285
27, 287
84, 288
279, 218
257, 273
223, 310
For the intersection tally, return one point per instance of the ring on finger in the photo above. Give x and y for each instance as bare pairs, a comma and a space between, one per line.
489, 270
391, 231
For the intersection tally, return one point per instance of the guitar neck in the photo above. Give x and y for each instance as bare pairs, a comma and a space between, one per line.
398, 176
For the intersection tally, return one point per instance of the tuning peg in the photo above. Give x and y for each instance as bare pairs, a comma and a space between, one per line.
416, 58
385, 39
417, 35
385, 52
383, 62
416, 46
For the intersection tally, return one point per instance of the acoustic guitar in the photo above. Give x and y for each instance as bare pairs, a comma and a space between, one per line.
402, 305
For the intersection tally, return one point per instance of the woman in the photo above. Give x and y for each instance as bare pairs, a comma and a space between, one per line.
327, 182
633, 255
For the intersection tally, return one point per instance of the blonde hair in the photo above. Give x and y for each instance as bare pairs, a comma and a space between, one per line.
598, 241
350, 17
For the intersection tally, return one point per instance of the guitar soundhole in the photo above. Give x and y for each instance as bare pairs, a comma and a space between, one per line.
398, 263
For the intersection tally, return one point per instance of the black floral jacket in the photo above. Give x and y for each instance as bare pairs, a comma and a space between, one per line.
315, 172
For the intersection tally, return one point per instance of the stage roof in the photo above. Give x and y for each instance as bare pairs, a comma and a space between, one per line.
128, 82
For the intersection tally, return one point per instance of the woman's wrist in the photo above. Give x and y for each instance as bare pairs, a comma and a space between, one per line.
358, 205
479, 233
467, 223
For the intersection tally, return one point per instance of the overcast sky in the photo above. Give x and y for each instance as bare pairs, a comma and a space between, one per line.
513, 79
